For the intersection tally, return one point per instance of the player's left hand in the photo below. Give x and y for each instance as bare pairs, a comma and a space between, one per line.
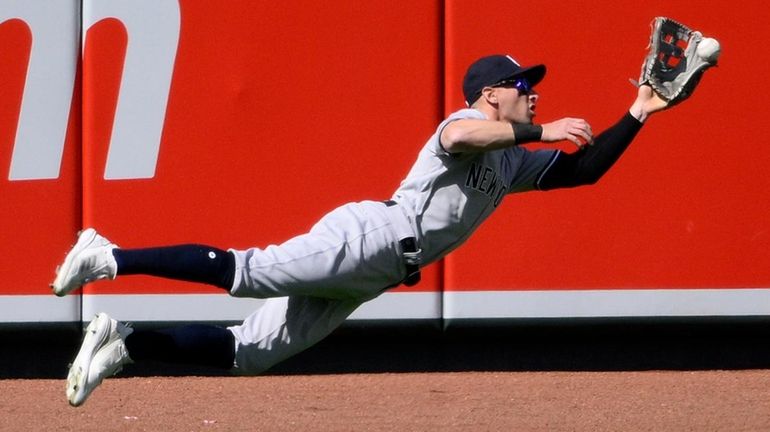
575, 130
647, 102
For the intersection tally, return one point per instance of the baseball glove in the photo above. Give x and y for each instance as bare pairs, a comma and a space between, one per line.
677, 59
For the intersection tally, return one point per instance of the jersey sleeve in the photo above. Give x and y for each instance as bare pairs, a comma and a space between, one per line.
531, 165
467, 113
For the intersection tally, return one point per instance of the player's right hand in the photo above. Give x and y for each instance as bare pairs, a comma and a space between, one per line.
575, 130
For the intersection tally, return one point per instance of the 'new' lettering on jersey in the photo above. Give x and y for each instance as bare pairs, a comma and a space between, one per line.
451, 195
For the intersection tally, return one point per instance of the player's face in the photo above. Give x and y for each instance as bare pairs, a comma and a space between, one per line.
517, 101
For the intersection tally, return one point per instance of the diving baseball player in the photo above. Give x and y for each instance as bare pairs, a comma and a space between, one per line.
313, 282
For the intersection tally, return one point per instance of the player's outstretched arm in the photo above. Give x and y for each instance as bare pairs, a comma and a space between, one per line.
579, 132
590, 163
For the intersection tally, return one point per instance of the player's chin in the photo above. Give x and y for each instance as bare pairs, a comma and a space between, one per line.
529, 118
522, 117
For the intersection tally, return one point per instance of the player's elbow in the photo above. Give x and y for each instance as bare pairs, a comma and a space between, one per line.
578, 179
465, 137
454, 139
567, 171
589, 179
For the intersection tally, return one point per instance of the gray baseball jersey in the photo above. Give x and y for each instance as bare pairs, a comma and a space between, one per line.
451, 195
313, 282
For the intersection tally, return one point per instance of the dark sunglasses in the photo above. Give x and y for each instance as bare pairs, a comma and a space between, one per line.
520, 84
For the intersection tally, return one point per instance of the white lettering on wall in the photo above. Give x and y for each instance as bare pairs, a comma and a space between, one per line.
47, 98
153, 34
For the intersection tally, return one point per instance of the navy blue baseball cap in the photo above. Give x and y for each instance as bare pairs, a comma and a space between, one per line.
490, 70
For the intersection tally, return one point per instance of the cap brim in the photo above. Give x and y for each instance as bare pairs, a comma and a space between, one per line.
533, 74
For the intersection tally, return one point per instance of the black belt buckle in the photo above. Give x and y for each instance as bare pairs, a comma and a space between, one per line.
409, 246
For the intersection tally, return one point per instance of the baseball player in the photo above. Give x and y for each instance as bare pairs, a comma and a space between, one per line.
313, 282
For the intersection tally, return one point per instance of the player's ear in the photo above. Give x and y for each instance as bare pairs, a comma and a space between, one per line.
489, 94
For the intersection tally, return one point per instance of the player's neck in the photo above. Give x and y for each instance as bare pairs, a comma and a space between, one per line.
489, 111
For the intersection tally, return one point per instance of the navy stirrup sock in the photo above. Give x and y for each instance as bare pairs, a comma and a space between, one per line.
192, 263
195, 344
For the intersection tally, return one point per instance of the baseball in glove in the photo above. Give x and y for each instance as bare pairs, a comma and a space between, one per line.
676, 60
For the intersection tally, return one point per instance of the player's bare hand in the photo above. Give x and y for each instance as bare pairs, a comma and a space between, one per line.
575, 130
647, 103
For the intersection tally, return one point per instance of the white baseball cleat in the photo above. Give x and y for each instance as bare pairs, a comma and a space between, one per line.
102, 354
89, 260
